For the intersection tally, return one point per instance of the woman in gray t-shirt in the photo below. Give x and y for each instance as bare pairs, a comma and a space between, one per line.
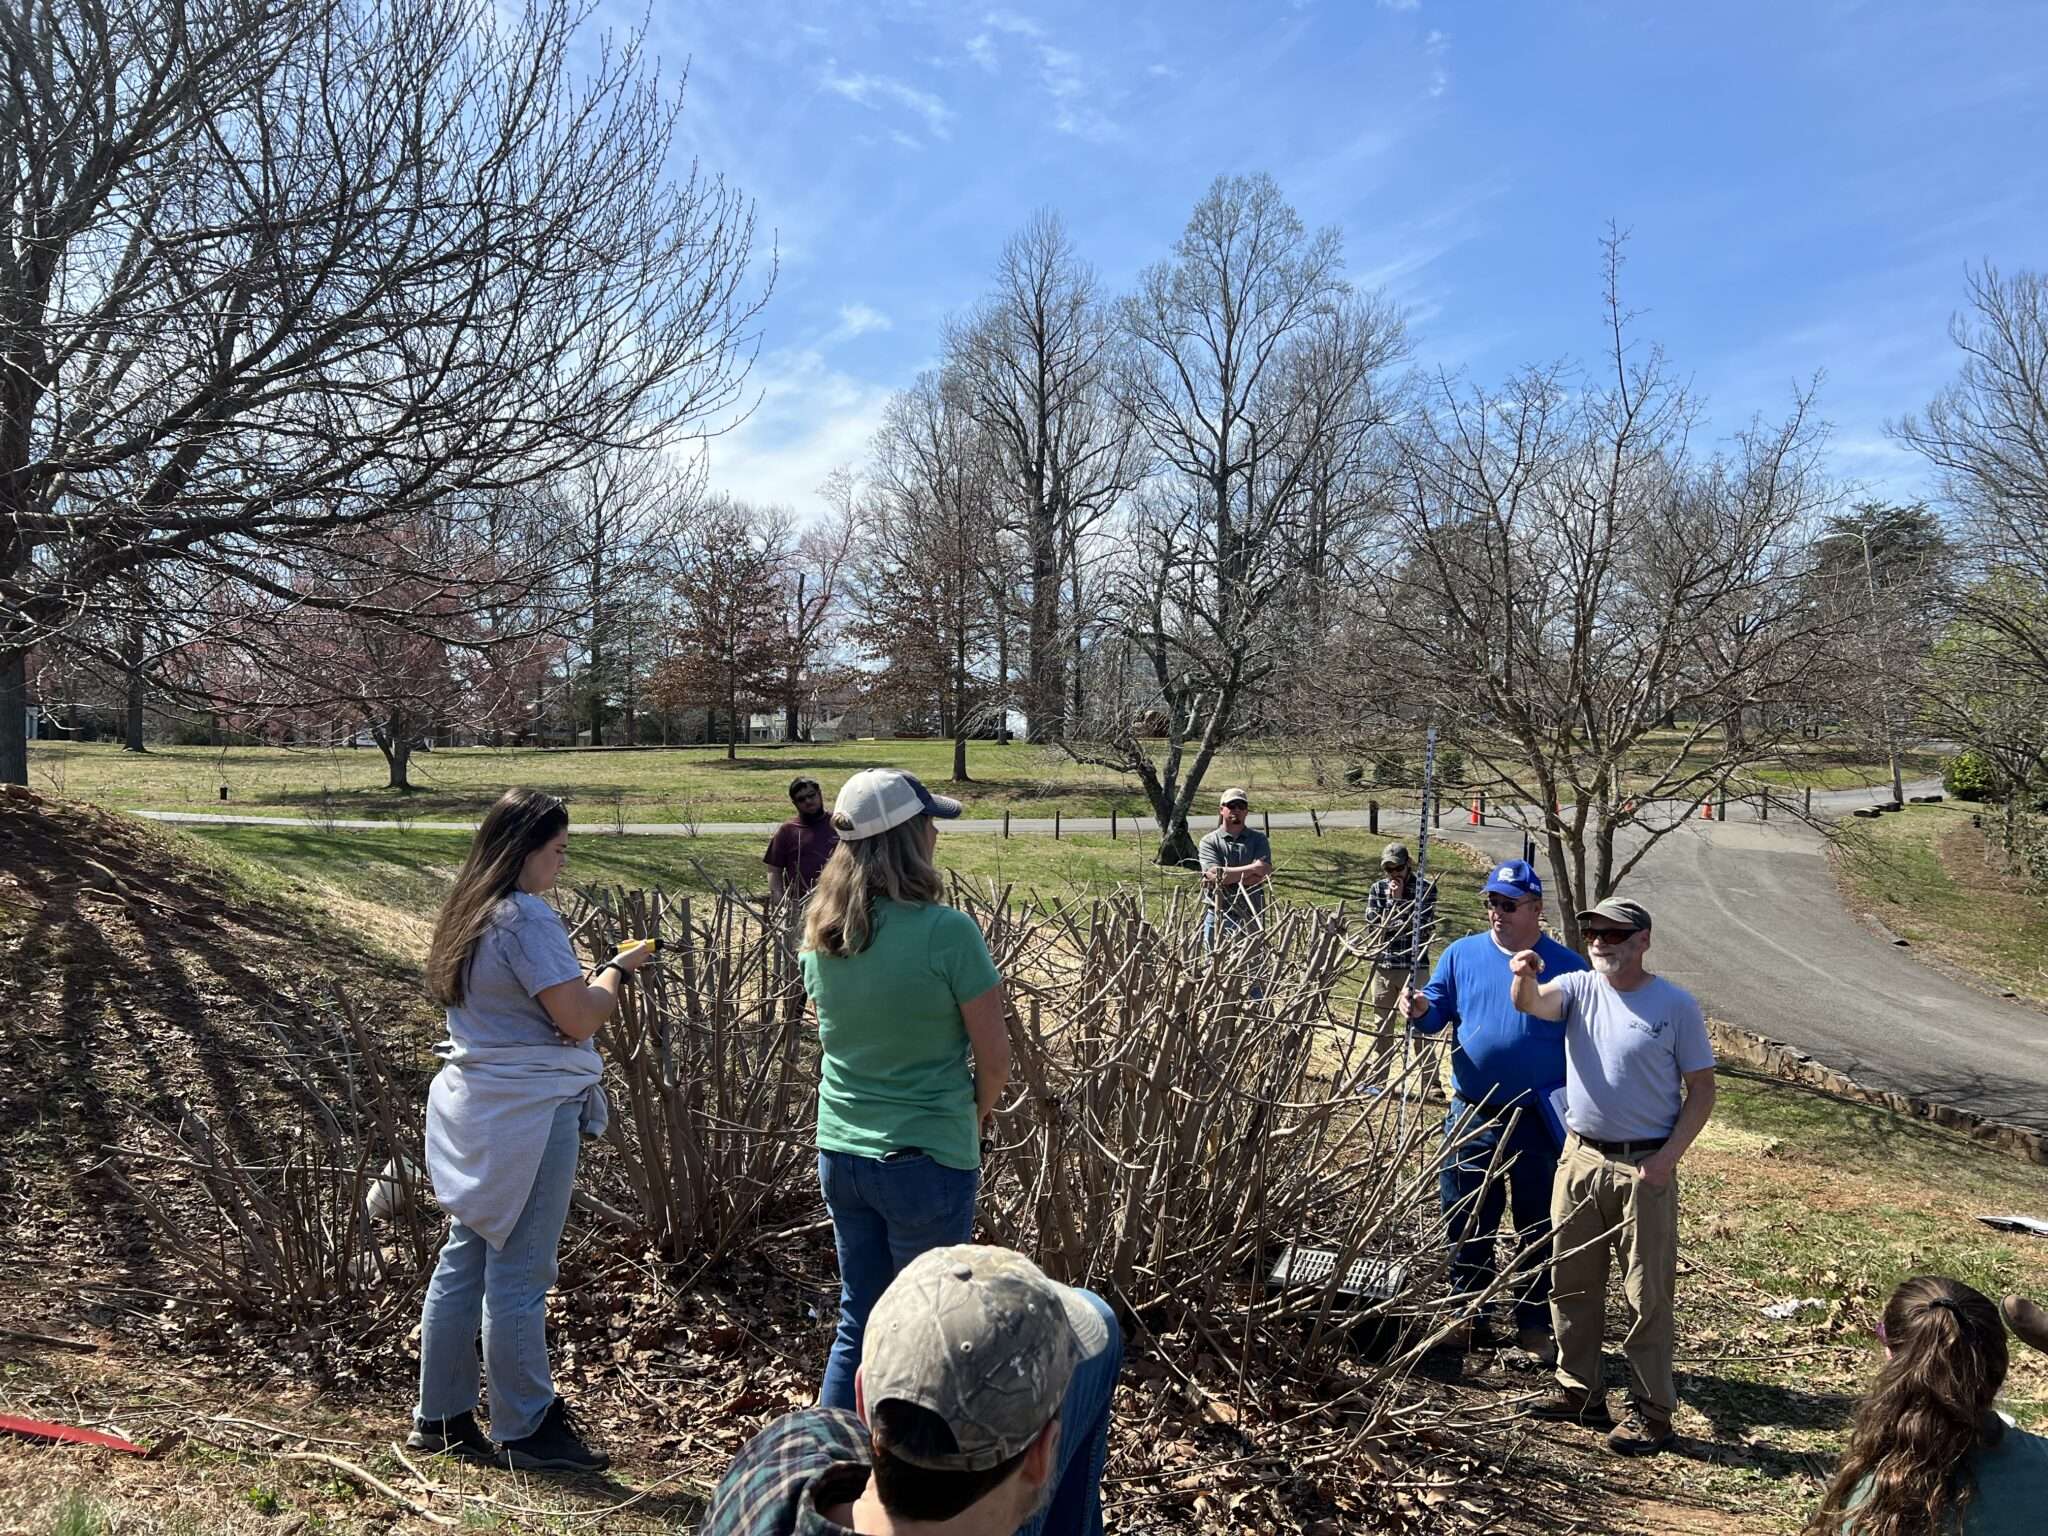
517, 1089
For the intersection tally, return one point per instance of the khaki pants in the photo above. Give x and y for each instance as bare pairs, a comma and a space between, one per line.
1600, 1204
1387, 982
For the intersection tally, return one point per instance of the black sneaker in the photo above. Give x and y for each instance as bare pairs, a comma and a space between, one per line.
458, 1437
554, 1447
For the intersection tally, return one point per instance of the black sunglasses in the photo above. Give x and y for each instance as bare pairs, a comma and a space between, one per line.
1502, 904
1610, 935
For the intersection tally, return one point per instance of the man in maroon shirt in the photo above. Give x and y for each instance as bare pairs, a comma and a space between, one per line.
797, 852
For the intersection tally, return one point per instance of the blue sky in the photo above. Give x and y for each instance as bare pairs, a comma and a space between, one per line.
1804, 182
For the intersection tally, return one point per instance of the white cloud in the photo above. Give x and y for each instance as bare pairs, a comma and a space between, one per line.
871, 91
1400, 5
1162, 71
812, 418
1010, 21
906, 141
982, 49
1087, 123
857, 320
1439, 81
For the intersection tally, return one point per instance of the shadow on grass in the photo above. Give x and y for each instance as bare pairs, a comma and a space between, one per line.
1744, 1414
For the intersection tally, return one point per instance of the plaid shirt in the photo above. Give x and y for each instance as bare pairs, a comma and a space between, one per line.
1394, 917
805, 1461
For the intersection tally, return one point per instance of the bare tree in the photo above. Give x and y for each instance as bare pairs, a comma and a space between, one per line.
1253, 362
1576, 576
728, 563
1034, 362
923, 606
812, 587
274, 269
1986, 436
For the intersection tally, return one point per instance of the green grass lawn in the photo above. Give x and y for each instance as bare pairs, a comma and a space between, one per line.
697, 784
391, 882
683, 784
1922, 872
1791, 1194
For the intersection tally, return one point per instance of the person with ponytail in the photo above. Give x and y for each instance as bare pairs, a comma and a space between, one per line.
914, 1045
1928, 1455
518, 1087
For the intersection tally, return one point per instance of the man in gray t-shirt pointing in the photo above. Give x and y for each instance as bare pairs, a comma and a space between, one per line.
1639, 1086
1236, 864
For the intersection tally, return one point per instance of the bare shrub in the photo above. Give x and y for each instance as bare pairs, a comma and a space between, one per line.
291, 1239
711, 1073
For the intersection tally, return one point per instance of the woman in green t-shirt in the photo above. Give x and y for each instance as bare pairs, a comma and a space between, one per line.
1928, 1455
915, 1049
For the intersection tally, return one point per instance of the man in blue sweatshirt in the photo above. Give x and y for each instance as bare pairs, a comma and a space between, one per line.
1502, 1060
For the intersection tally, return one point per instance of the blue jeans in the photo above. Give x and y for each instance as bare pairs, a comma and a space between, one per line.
1528, 1164
1075, 1505
505, 1290
1213, 936
884, 1214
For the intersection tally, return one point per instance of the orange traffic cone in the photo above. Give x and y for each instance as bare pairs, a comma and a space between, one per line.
1706, 810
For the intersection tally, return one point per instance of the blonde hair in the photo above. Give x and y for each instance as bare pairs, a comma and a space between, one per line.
894, 865
522, 822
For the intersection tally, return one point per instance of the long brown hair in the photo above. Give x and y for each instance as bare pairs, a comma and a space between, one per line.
895, 865
523, 821
1930, 1411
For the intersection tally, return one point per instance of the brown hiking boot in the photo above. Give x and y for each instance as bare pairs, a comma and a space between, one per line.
1573, 1406
1535, 1350
1640, 1433
2028, 1320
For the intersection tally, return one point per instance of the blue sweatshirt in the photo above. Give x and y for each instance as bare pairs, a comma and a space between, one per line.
1501, 1054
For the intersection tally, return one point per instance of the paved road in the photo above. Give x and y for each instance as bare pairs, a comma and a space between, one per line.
1749, 919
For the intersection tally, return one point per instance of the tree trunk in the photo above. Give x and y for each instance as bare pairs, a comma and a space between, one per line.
1048, 685
960, 759
131, 659
13, 717
396, 745
1176, 845
732, 731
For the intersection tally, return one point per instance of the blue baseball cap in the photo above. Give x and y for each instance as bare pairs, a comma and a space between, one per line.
1516, 878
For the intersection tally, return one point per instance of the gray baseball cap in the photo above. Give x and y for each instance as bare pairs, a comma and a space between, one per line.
983, 1338
1396, 856
1618, 909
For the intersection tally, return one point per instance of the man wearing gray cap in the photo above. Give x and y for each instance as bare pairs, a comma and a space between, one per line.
1639, 1086
1390, 928
984, 1392
1237, 862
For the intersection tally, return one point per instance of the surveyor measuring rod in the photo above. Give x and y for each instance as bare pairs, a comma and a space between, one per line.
1415, 927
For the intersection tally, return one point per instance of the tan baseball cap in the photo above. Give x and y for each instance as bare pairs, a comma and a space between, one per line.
983, 1338
1232, 795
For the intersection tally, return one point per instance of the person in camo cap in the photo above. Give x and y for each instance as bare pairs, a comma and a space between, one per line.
983, 1393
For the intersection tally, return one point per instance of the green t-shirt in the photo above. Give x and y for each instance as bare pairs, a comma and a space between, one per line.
896, 1070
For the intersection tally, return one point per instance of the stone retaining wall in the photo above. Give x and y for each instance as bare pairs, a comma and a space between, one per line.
1772, 1058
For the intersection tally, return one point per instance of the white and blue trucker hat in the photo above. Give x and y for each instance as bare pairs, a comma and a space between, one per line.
876, 799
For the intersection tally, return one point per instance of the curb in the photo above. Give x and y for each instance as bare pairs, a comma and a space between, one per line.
1774, 1059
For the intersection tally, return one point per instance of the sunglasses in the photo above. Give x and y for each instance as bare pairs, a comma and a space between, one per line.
1610, 935
1502, 904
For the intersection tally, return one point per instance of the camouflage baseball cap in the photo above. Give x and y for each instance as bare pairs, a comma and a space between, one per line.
982, 1338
